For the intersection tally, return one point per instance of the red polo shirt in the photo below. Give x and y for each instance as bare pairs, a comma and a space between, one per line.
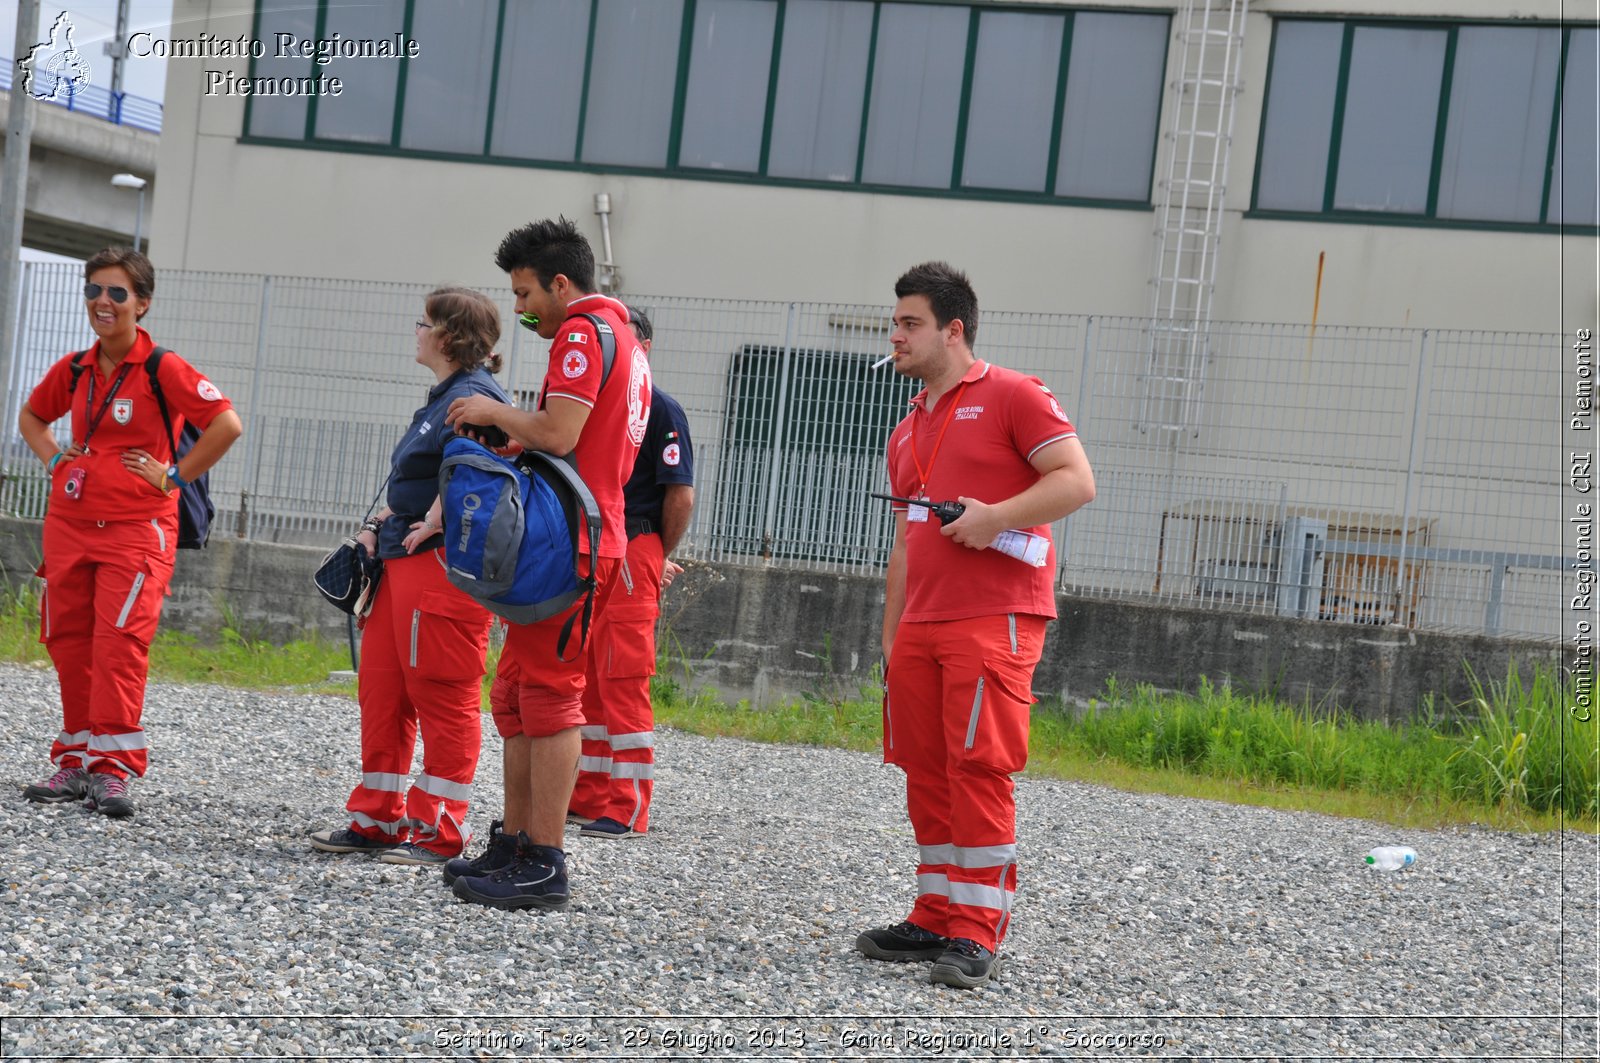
619, 414
976, 442
131, 420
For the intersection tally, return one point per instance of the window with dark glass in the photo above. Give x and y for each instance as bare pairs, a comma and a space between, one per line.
927, 97
916, 95
1453, 122
363, 111
633, 74
448, 83
822, 78
281, 115
1113, 105
725, 103
1012, 107
537, 104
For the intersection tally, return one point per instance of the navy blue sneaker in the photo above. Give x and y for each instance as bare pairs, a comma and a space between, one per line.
535, 878
965, 965
501, 851
606, 827
348, 840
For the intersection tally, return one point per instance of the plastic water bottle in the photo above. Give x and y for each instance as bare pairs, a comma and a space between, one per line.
1024, 546
1391, 857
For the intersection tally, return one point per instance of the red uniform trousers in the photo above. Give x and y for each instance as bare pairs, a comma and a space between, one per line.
537, 693
104, 582
956, 720
616, 772
422, 651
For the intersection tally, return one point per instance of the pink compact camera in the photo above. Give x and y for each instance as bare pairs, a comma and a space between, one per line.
73, 485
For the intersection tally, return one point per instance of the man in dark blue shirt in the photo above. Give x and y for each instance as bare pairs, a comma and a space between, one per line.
617, 766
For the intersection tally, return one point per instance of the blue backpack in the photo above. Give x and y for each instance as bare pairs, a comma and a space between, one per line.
511, 533
511, 527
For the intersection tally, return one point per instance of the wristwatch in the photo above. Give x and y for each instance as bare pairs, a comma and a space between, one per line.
172, 474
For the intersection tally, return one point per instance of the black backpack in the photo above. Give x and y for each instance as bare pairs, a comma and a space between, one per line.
195, 511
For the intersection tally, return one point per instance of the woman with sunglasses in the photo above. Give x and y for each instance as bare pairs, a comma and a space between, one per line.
111, 526
423, 642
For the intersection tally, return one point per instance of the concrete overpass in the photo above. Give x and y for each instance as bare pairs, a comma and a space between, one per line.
71, 207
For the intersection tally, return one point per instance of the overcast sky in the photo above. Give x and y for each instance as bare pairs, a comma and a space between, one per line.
93, 23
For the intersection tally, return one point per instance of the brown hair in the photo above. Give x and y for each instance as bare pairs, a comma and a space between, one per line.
470, 324
948, 291
134, 264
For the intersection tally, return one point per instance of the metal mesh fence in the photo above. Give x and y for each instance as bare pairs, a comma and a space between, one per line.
1376, 476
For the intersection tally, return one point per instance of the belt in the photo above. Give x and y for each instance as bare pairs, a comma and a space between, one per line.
638, 526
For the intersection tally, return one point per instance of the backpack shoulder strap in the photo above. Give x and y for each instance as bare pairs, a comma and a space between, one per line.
152, 365
608, 345
77, 370
590, 523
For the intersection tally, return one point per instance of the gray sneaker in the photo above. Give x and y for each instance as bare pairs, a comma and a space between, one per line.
68, 784
902, 942
412, 853
965, 965
108, 795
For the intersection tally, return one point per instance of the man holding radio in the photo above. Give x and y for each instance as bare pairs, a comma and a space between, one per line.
963, 624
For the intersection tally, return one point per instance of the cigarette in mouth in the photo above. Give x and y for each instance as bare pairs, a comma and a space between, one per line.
881, 362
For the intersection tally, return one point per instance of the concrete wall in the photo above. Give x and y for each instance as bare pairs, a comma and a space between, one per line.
769, 633
72, 208
223, 205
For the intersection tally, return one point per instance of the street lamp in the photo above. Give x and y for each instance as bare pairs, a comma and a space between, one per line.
128, 180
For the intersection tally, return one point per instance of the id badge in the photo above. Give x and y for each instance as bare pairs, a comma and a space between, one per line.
917, 514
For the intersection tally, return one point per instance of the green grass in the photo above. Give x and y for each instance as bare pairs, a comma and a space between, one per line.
1497, 759
233, 660
1511, 756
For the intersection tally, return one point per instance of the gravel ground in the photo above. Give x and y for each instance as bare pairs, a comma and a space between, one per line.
1145, 925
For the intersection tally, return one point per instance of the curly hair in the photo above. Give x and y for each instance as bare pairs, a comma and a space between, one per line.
468, 324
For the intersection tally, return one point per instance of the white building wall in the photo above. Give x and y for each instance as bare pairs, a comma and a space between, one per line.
223, 205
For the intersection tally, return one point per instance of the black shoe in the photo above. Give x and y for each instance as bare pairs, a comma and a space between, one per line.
965, 965
501, 851
348, 841
535, 878
108, 795
905, 941
68, 784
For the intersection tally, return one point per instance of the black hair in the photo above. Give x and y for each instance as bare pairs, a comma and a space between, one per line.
949, 293
548, 248
640, 322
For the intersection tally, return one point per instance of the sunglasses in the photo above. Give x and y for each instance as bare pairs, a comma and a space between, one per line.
91, 292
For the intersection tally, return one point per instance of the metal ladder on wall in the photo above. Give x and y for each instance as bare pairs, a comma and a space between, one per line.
1210, 42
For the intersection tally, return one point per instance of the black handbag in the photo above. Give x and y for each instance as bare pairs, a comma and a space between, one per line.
348, 577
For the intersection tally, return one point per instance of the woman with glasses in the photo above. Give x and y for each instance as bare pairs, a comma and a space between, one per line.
111, 525
424, 641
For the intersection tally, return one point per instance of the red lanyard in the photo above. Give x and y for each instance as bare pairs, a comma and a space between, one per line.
924, 473
88, 406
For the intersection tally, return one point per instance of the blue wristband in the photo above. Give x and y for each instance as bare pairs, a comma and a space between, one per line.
50, 466
172, 474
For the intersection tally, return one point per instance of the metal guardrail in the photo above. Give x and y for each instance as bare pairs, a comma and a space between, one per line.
118, 108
